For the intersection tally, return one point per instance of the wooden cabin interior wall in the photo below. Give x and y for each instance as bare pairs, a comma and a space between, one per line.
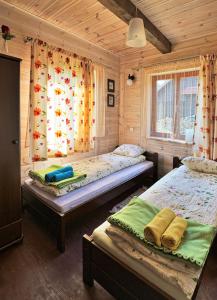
23, 24
133, 108
96, 25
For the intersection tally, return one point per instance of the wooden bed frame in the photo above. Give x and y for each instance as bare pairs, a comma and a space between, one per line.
116, 277
59, 221
177, 162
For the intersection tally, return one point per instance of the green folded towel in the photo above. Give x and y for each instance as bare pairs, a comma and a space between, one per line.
196, 241
40, 176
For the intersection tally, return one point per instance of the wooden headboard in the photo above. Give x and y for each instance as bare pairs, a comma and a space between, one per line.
177, 162
153, 156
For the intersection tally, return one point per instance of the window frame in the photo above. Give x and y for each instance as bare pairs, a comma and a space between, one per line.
153, 112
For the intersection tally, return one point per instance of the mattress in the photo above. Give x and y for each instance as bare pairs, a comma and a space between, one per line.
86, 193
95, 168
190, 194
102, 239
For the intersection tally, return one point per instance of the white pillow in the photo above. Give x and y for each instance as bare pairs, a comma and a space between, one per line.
200, 164
129, 150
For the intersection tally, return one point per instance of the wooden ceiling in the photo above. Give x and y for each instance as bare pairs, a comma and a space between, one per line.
178, 20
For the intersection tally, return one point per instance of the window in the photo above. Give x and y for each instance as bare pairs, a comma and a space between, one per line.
173, 105
63, 102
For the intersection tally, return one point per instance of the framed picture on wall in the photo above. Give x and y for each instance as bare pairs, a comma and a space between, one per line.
111, 86
111, 100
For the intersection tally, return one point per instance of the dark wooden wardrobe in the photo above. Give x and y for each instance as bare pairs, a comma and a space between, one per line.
10, 197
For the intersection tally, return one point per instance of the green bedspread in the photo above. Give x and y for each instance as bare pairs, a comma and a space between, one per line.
196, 241
40, 176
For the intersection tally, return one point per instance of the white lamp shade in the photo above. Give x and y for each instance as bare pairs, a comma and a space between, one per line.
129, 82
136, 33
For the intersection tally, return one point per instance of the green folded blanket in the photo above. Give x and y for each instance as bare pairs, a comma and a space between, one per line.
40, 176
196, 241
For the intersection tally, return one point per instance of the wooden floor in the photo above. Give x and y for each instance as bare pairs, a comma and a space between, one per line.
35, 270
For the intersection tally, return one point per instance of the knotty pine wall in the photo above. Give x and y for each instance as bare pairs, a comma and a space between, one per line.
133, 122
130, 112
22, 24
133, 103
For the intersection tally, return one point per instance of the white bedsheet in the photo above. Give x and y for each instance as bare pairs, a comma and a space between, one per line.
84, 194
190, 194
102, 239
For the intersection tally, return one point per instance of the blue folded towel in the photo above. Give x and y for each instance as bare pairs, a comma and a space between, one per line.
62, 176
49, 176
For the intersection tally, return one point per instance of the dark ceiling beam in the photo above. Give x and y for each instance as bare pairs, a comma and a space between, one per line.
126, 10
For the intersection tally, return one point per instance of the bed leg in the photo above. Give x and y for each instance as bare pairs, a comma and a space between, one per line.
155, 171
87, 268
61, 232
155, 174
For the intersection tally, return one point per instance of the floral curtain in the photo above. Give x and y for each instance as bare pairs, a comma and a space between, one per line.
205, 136
62, 119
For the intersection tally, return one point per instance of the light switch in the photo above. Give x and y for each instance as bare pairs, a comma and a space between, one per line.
131, 129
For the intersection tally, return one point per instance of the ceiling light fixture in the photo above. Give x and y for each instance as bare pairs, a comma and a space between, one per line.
136, 33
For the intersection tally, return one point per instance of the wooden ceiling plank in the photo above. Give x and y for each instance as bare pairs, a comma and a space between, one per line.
180, 20
99, 20
107, 33
76, 11
174, 7
125, 10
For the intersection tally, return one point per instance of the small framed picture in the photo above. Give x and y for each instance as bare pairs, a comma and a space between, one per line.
111, 100
111, 85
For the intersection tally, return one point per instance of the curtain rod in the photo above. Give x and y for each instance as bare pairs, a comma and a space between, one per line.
164, 63
28, 39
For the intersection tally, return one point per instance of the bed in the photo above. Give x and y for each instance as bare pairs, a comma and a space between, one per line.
67, 207
124, 274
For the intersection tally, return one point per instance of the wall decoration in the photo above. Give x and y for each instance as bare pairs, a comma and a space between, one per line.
6, 35
111, 86
130, 80
110, 100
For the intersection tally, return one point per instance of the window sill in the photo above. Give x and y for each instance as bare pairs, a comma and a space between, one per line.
169, 140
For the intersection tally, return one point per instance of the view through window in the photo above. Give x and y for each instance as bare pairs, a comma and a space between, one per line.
174, 104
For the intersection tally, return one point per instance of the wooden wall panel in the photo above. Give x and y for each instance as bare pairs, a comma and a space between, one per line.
133, 109
149, 55
22, 25
129, 116
133, 122
130, 101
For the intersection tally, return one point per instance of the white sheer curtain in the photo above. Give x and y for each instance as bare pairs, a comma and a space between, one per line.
100, 100
173, 104
164, 97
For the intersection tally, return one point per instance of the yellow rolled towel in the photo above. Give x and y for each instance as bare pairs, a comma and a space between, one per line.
154, 229
172, 237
